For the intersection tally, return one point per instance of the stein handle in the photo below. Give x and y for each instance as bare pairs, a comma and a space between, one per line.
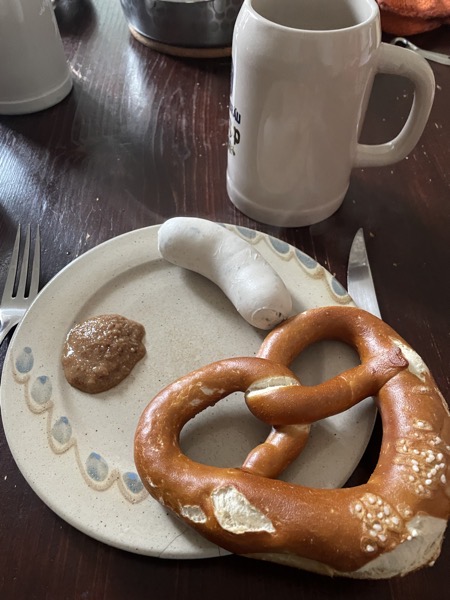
399, 61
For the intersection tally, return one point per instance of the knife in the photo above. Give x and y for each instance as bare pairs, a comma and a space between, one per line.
443, 59
359, 276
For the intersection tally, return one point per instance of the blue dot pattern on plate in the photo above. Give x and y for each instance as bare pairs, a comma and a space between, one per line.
96, 467
41, 390
279, 245
338, 289
133, 482
250, 234
62, 430
25, 360
306, 260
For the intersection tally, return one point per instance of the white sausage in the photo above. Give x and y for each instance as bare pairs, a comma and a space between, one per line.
249, 282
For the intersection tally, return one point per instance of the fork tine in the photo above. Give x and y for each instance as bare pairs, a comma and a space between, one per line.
11, 277
34, 283
24, 269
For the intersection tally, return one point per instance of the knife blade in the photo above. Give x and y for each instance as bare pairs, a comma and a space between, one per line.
359, 276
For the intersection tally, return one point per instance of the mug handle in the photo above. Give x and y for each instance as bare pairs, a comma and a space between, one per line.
399, 61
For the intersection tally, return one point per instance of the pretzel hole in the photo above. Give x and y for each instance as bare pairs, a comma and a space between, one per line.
323, 360
224, 434
369, 459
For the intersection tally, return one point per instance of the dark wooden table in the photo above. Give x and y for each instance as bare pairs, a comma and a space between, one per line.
142, 138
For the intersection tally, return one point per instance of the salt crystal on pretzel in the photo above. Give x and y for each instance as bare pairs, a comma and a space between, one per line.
389, 526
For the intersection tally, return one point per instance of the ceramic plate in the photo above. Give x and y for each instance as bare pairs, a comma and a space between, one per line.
76, 450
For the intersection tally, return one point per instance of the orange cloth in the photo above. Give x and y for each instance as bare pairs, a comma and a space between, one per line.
408, 17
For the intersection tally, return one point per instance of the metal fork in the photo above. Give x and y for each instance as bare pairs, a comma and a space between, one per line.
14, 306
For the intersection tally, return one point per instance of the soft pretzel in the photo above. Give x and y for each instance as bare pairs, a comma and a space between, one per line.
389, 526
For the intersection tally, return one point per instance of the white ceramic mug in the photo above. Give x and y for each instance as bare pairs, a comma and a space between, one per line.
34, 73
302, 76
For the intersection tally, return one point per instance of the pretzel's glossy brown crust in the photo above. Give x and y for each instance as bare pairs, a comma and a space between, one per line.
342, 529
